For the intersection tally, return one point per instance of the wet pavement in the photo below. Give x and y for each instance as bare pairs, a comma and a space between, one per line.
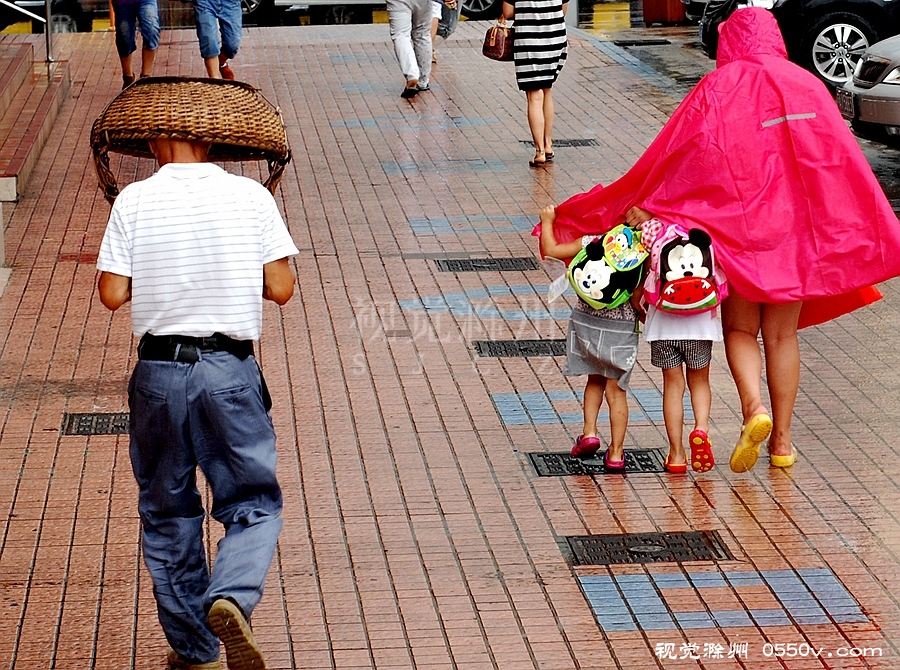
430, 521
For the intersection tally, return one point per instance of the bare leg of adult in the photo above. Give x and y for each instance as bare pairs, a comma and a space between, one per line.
127, 71
212, 67
434, 29
548, 123
535, 101
148, 57
782, 350
741, 324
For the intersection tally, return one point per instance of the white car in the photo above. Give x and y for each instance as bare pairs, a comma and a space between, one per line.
871, 98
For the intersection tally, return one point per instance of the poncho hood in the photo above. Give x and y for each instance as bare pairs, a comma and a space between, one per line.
759, 157
747, 33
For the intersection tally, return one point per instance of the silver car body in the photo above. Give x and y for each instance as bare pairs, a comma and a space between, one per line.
872, 96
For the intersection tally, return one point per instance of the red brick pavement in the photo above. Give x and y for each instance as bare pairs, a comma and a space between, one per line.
416, 532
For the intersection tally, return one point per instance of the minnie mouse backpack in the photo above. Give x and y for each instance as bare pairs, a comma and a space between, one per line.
606, 272
684, 277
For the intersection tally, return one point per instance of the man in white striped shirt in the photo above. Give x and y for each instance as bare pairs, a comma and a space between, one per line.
196, 250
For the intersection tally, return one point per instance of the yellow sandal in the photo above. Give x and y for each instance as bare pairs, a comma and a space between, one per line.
746, 451
778, 461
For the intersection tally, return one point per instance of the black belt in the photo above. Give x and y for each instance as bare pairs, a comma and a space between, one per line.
183, 349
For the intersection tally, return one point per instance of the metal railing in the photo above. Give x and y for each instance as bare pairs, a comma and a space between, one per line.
46, 20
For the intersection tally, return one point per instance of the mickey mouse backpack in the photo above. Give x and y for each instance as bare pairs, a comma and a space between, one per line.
684, 277
606, 272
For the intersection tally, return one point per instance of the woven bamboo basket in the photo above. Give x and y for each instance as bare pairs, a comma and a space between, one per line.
238, 121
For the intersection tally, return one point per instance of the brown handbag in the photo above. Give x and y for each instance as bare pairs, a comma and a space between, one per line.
498, 43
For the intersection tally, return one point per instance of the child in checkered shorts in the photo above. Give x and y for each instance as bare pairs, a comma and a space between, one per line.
679, 343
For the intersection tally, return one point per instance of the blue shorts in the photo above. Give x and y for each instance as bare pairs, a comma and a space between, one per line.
213, 16
144, 14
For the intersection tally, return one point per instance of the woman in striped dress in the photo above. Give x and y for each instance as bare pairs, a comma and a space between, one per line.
539, 51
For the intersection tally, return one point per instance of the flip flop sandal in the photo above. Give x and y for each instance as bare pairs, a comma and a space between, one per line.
777, 461
674, 468
702, 459
746, 451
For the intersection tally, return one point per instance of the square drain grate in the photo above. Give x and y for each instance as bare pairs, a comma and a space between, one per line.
705, 545
95, 424
510, 348
567, 143
561, 464
486, 264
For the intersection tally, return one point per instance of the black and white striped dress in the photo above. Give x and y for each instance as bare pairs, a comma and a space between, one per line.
539, 45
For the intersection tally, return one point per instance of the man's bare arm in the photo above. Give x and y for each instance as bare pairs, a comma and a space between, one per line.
278, 281
115, 290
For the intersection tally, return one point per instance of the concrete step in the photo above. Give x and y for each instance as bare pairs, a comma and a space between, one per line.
30, 97
15, 64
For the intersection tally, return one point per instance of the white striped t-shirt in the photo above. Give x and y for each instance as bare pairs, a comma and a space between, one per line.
194, 239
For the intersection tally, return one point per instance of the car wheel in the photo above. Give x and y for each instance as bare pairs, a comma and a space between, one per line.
255, 10
478, 10
835, 44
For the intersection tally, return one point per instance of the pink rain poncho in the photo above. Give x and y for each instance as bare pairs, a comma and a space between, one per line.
759, 157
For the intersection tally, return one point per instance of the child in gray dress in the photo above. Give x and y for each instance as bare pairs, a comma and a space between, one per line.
602, 344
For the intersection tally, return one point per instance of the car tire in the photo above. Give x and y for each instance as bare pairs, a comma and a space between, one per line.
255, 11
481, 10
834, 44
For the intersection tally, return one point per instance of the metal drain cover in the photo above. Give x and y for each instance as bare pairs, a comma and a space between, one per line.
486, 264
704, 545
509, 348
95, 424
567, 143
560, 464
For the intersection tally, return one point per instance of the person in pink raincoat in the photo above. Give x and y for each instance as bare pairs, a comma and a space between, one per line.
758, 156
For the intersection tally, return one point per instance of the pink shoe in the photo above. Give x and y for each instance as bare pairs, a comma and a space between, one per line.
585, 447
617, 466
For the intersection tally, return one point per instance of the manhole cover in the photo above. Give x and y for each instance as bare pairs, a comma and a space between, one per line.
509, 348
567, 143
640, 43
561, 464
704, 545
95, 424
486, 264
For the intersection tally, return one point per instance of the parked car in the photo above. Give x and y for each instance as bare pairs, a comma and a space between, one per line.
871, 99
827, 37
477, 10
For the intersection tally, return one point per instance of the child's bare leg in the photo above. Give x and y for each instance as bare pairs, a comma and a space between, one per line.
593, 398
617, 400
701, 397
673, 413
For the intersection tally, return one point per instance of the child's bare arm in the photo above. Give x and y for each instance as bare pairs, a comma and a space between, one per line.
549, 245
635, 216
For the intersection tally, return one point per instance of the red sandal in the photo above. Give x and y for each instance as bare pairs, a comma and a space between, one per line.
674, 468
702, 459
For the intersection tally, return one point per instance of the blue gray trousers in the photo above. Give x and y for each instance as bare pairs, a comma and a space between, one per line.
208, 414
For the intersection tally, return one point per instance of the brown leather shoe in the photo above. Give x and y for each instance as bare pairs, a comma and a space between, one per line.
228, 622
127, 80
176, 662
